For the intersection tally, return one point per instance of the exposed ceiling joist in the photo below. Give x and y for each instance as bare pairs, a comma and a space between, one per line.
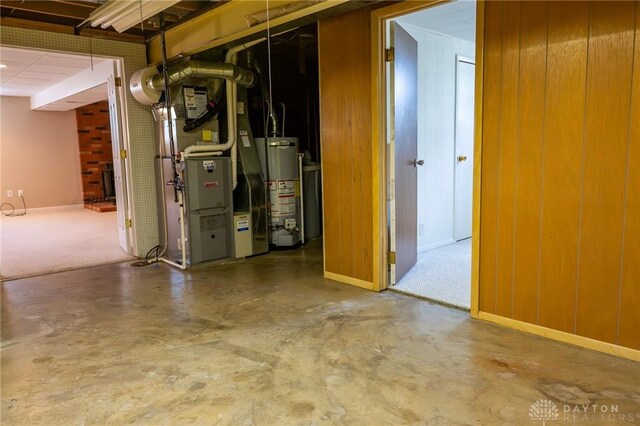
52, 8
71, 13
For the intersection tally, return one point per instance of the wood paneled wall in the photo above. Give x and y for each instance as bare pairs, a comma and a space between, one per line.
560, 204
345, 119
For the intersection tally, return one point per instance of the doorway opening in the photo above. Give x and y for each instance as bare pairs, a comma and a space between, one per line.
430, 150
73, 102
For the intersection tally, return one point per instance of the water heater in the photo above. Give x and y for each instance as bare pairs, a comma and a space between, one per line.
279, 160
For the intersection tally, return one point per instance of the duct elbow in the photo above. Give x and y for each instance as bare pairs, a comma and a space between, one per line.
140, 86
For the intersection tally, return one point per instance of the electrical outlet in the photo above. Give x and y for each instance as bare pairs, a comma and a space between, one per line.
9, 193
421, 228
20, 193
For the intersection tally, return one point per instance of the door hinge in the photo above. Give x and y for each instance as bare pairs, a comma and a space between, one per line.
391, 258
389, 54
123, 154
118, 81
127, 223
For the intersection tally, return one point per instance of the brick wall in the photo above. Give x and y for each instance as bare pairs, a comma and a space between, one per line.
94, 136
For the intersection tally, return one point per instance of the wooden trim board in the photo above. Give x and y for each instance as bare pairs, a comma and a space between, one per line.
477, 162
349, 280
561, 336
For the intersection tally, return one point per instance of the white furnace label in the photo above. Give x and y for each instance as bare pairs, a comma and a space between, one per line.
245, 139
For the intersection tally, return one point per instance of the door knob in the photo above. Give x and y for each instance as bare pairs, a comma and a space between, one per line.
417, 163
462, 158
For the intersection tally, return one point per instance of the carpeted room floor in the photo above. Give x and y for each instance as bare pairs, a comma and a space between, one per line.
57, 239
442, 275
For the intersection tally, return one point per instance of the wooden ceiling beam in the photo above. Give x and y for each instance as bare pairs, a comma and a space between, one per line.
66, 29
85, 4
190, 6
48, 8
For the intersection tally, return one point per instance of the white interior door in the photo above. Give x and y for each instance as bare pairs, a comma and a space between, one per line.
119, 167
463, 187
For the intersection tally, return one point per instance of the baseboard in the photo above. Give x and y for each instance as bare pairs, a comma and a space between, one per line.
348, 280
562, 336
56, 208
435, 245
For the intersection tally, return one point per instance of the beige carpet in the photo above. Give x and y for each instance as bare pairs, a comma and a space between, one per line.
442, 275
58, 239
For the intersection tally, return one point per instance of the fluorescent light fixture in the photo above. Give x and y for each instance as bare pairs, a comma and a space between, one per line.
124, 14
3, 66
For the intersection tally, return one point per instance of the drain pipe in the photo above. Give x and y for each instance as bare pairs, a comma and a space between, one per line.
300, 170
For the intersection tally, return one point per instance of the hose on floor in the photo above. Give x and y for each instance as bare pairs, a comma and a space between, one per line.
13, 213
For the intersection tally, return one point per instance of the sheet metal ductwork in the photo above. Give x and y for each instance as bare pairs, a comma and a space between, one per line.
147, 84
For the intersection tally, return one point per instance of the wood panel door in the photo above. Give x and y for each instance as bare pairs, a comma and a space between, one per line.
405, 99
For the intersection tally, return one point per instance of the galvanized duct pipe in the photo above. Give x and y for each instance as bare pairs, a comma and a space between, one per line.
147, 84
202, 69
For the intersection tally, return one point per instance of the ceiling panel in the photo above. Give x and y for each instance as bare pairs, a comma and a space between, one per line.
33, 81
39, 75
20, 56
61, 61
55, 69
29, 71
456, 19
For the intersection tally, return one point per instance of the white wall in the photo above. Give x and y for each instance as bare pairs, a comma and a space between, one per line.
436, 123
39, 154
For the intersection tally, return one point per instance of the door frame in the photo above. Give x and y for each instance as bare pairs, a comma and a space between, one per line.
467, 60
120, 145
379, 138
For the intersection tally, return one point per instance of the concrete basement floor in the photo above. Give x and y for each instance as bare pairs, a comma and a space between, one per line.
270, 342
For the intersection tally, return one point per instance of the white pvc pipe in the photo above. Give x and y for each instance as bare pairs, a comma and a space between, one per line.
301, 196
199, 154
164, 209
183, 243
172, 263
234, 150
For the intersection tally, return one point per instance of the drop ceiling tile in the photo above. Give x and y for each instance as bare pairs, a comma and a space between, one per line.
66, 71
77, 63
31, 81
8, 73
16, 55
13, 66
30, 71
53, 78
